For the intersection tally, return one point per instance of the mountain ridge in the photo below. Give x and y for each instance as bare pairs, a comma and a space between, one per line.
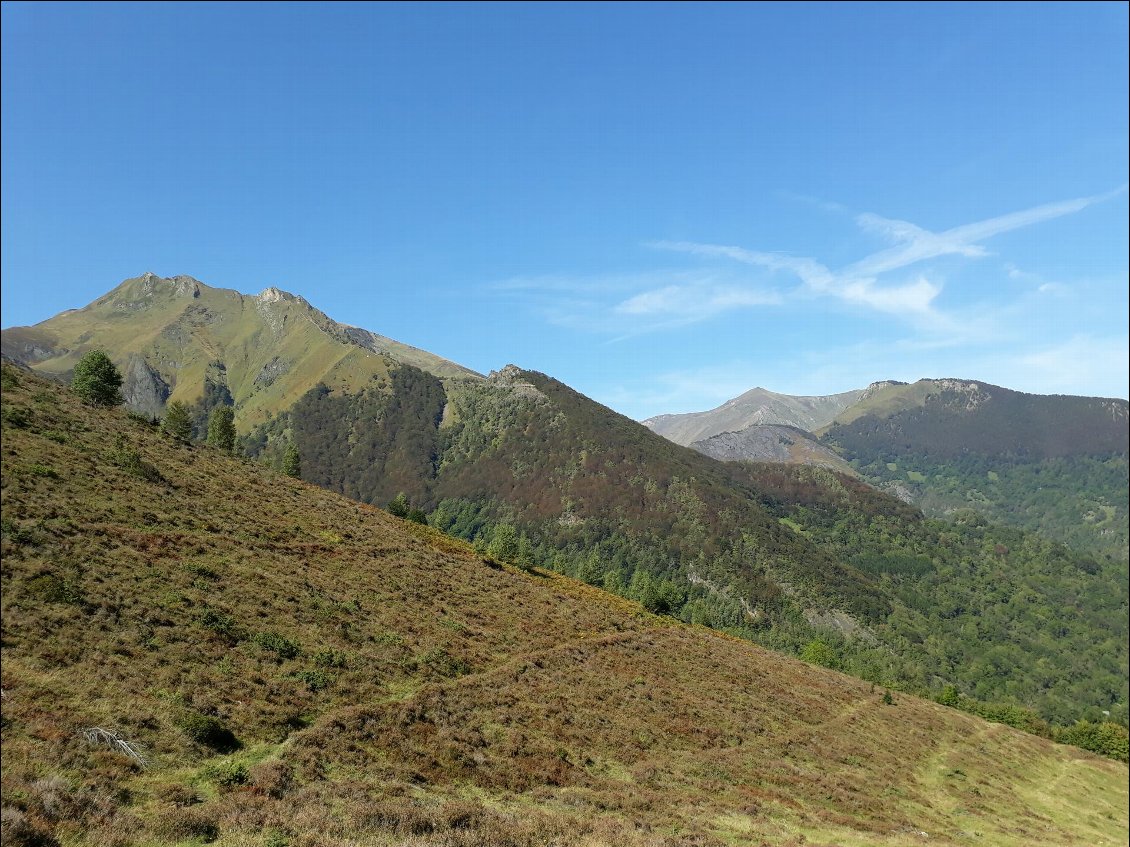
195, 334
1051, 463
756, 406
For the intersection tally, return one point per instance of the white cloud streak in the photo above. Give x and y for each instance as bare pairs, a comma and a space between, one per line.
858, 284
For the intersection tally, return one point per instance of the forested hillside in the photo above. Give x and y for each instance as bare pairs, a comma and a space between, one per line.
1055, 465
199, 650
792, 558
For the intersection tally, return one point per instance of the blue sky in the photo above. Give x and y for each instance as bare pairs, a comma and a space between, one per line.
661, 205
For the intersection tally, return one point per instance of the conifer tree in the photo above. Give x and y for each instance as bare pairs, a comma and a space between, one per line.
177, 422
221, 428
292, 461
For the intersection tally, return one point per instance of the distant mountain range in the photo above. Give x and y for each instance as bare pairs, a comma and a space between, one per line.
785, 554
756, 407
1056, 464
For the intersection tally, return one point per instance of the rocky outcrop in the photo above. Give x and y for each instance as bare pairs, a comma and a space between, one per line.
769, 443
143, 389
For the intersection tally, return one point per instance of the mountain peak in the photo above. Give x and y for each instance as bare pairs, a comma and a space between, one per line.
271, 294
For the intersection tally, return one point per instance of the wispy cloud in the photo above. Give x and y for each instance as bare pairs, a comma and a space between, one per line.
628, 305
694, 302
895, 282
1083, 363
859, 282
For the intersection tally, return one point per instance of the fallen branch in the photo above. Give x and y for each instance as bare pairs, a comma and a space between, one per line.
110, 738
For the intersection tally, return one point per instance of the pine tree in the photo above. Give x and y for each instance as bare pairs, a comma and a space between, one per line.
97, 380
221, 428
292, 462
178, 421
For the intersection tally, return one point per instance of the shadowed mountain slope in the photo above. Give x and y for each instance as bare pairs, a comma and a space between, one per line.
1053, 464
946, 418
271, 663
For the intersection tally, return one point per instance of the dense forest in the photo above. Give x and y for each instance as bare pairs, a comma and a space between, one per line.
1079, 500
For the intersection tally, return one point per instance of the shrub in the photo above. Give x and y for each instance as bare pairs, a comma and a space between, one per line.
284, 647
9, 378
178, 795
950, 696
21, 831
52, 589
272, 778
226, 773
1106, 739
209, 731
330, 658
820, 652
129, 460
97, 381
316, 680
16, 416
222, 624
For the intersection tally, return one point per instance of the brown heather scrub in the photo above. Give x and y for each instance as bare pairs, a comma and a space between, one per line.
300, 669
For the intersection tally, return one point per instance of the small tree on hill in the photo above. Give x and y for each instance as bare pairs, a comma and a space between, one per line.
504, 543
292, 462
398, 505
221, 428
97, 381
178, 421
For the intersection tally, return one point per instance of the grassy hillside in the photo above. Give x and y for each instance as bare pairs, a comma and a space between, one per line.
521, 463
292, 667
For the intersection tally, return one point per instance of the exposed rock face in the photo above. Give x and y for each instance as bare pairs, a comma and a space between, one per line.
770, 443
271, 371
143, 388
511, 377
27, 349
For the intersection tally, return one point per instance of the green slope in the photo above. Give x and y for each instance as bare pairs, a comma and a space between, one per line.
297, 668
172, 336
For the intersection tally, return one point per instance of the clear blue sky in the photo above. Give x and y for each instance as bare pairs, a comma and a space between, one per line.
661, 205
